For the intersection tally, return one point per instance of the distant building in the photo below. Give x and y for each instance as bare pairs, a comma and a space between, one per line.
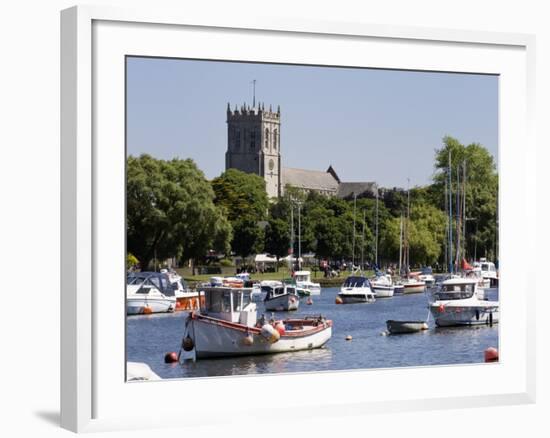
254, 146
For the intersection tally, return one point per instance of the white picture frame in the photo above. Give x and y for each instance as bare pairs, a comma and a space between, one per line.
94, 396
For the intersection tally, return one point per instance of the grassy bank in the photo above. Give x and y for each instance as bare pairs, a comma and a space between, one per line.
283, 273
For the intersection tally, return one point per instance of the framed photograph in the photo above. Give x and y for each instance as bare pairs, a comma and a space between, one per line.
254, 204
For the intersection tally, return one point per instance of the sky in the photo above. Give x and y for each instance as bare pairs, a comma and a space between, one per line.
370, 125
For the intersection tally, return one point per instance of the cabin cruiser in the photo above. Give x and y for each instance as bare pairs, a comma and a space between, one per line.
382, 286
413, 285
426, 275
149, 292
303, 281
186, 299
356, 289
457, 303
260, 289
488, 272
281, 298
227, 325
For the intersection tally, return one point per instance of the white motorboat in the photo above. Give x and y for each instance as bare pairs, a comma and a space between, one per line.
149, 292
457, 303
488, 272
186, 299
426, 275
281, 298
303, 281
227, 325
356, 290
382, 286
413, 286
260, 289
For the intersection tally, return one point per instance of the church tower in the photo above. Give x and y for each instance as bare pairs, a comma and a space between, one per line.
254, 144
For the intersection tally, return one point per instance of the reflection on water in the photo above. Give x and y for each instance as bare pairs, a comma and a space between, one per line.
149, 337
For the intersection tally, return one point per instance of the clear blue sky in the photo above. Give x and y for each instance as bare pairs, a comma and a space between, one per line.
371, 125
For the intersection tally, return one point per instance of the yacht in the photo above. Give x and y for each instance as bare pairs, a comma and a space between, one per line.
356, 289
303, 281
149, 292
281, 298
488, 272
456, 302
382, 286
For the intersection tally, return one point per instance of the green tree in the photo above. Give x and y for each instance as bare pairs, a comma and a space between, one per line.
241, 194
171, 211
248, 237
277, 237
481, 192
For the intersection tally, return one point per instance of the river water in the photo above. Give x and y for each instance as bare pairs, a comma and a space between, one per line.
150, 337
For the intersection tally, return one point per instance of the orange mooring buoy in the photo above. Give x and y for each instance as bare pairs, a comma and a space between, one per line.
338, 300
309, 302
171, 357
491, 354
147, 310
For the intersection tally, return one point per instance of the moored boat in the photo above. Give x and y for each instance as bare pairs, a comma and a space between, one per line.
227, 325
401, 327
149, 292
413, 286
281, 298
382, 286
457, 303
356, 289
303, 281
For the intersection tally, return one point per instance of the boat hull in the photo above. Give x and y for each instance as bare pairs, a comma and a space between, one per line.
356, 298
414, 289
282, 303
383, 291
456, 316
403, 327
154, 305
215, 339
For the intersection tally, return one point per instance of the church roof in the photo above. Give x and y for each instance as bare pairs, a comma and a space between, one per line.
348, 189
309, 179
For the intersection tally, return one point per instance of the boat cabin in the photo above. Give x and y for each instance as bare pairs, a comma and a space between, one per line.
278, 291
354, 281
152, 282
456, 290
229, 304
302, 276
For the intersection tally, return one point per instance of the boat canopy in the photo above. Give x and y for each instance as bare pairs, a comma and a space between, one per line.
354, 281
155, 279
226, 299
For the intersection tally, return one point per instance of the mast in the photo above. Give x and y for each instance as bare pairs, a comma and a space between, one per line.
400, 243
376, 231
291, 250
407, 228
464, 208
363, 243
458, 217
450, 215
299, 241
353, 240
446, 258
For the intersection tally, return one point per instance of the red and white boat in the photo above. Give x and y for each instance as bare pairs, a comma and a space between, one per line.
227, 325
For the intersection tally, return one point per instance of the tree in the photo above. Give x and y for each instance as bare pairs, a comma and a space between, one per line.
481, 192
170, 211
277, 237
248, 237
241, 194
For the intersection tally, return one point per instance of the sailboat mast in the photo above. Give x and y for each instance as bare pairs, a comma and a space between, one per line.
299, 241
464, 208
449, 171
291, 250
353, 241
407, 254
376, 231
363, 243
400, 242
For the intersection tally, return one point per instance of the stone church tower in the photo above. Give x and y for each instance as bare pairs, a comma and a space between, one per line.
254, 144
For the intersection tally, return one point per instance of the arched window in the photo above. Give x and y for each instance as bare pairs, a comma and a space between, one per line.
237, 139
275, 139
266, 139
252, 140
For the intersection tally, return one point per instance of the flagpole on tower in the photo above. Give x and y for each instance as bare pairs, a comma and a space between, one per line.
254, 93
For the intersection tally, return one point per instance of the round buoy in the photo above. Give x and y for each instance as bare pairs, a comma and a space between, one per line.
491, 354
171, 357
147, 310
309, 302
338, 300
348, 338
248, 340
178, 305
441, 308
187, 344
270, 334
280, 327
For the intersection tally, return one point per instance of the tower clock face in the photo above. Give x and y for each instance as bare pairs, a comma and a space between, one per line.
271, 164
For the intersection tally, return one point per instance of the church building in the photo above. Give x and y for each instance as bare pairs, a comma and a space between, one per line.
254, 146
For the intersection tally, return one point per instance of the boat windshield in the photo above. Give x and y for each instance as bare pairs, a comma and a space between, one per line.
356, 282
301, 277
489, 267
146, 280
455, 291
218, 301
